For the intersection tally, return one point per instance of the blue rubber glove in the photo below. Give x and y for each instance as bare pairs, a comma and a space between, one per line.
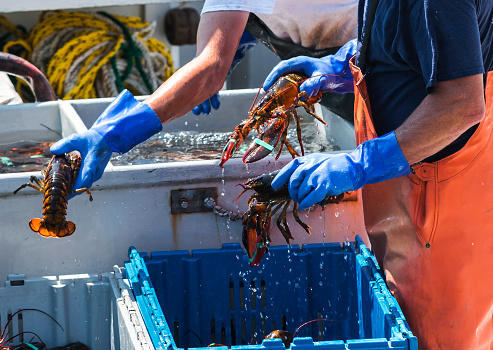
247, 42
205, 107
125, 123
328, 74
317, 175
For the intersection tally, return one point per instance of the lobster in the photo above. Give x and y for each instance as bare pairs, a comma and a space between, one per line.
59, 178
287, 337
271, 117
262, 205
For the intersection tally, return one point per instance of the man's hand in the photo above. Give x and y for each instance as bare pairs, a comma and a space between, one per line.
95, 155
328, 74
313, 177
125, 123
205, 107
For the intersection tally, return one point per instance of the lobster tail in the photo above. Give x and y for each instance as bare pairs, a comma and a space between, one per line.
46, 230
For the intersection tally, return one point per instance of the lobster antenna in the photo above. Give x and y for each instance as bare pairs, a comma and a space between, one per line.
315, 320
15, 336
20, 310
256, 96
244, 190
198, 337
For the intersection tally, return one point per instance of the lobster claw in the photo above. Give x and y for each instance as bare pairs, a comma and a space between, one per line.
259, 253
255, 246
228, 151
254, 235
235, 140
268, 139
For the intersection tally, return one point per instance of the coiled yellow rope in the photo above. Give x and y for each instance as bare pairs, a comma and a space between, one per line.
87, 55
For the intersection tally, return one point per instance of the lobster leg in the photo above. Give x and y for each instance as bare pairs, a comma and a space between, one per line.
83, 190
33, 179
266, 224
38, 181
291, 150
284, 141
298, 220
298, 131
309, 108
282, 223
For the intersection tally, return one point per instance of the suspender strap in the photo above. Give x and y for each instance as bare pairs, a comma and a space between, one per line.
370, 18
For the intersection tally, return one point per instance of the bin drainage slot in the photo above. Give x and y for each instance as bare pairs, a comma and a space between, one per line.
20, 326
233, 332
263, 294
320, 327
254, 327
242, 296
253, 295
213, 331
10, 326
263, 325
223, 335
176, 333
231, 296
243, 331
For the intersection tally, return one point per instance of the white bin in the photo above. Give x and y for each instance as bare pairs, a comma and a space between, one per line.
98, 310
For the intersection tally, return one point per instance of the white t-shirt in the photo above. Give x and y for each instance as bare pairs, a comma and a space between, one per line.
314, 24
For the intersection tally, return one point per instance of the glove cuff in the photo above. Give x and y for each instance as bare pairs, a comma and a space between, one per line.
339, 63
127, 122
381, 159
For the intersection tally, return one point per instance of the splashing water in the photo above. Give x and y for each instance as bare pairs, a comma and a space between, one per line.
179, 146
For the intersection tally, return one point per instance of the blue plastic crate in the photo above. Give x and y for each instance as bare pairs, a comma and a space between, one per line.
213, 296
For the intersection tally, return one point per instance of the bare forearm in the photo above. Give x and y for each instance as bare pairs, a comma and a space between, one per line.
217, 40
448, 111
185, 89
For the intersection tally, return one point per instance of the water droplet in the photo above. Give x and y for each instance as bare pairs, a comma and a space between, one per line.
337, 214
186, 123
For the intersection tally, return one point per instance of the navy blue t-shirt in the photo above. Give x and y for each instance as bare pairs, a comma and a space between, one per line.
416, 43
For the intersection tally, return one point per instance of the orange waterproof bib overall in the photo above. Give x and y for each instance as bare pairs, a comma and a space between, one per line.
432, 233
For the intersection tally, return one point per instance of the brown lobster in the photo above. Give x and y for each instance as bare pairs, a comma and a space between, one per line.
271, 117
59, 178
262, 205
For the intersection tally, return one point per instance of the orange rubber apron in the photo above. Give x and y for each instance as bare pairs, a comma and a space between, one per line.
432, 234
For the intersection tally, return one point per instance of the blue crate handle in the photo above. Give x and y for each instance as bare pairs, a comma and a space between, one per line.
146, 297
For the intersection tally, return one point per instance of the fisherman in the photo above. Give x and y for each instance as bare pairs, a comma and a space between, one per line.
294, 28
423, 83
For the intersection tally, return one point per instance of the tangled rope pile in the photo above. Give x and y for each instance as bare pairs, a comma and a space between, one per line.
88, 55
